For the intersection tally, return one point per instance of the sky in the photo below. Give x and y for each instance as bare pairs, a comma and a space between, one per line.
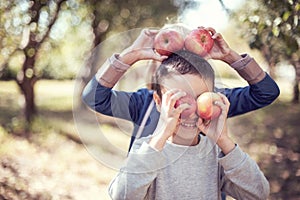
210, 13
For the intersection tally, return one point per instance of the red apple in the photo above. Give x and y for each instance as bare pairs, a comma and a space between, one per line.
206, 108
189, 99
168, 41
199, 41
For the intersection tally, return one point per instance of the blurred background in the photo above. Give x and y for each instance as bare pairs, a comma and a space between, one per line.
53, 147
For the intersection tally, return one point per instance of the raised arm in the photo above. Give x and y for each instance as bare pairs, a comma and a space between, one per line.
99, 95
262, 89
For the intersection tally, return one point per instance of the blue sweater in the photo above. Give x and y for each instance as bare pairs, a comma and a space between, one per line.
132, 106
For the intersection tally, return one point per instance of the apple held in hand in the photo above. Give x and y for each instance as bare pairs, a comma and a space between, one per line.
168, 41
199, 41
189, 100
206, 108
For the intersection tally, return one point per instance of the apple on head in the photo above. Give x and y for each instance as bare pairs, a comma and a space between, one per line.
168, 41
206, 108
199, 41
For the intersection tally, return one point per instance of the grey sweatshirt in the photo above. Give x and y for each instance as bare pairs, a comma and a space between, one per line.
188, 172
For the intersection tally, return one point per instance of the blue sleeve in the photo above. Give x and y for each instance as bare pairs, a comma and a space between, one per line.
125, 105
252, 97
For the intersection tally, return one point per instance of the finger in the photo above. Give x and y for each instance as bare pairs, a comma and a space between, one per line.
182, 107
167, 94
150, 32
201, 125
200, 121
148, 35
178, 94
175, 97
217, 36
153, 31
171, 91
220, 104
158, 57
203, 122
224, 110
211, 30
206, 122
224, 99
150, 54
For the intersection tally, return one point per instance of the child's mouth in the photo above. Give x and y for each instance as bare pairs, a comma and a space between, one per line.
188, 124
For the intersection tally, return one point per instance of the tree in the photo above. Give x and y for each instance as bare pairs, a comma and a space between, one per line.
28, 24
122, 15
273, 28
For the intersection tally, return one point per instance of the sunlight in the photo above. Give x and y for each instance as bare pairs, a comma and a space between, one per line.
209, 13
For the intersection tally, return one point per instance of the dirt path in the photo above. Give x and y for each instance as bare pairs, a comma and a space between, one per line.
55, 169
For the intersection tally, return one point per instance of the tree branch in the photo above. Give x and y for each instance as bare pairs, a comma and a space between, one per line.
52, 22
228, 11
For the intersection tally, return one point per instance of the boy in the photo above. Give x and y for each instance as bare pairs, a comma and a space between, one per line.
138, 106
176, 162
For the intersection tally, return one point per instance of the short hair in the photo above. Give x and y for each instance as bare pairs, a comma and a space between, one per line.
182, 62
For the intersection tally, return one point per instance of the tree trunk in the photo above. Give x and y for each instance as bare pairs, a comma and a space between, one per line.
296, 92
272, 67
296, 65
27, 87
26, 80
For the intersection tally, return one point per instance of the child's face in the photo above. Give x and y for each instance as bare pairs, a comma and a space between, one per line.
193, 85
190, 83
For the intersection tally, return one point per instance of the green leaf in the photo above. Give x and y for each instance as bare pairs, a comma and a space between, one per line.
297, 7
286, 15
276, 31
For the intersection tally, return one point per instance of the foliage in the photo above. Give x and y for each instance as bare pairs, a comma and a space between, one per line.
273, 28
58, 55
120, 15
52, 39
274, 24
79, 24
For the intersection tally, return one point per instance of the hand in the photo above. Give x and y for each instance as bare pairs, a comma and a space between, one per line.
216, 128
169, 117
220, 49
142, 48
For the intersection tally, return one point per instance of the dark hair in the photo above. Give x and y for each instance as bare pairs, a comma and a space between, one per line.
182, 62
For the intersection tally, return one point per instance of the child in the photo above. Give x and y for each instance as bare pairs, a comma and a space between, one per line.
176, 162
138, 106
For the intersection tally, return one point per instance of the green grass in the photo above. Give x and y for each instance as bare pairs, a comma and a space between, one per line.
53, 100
54, 95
